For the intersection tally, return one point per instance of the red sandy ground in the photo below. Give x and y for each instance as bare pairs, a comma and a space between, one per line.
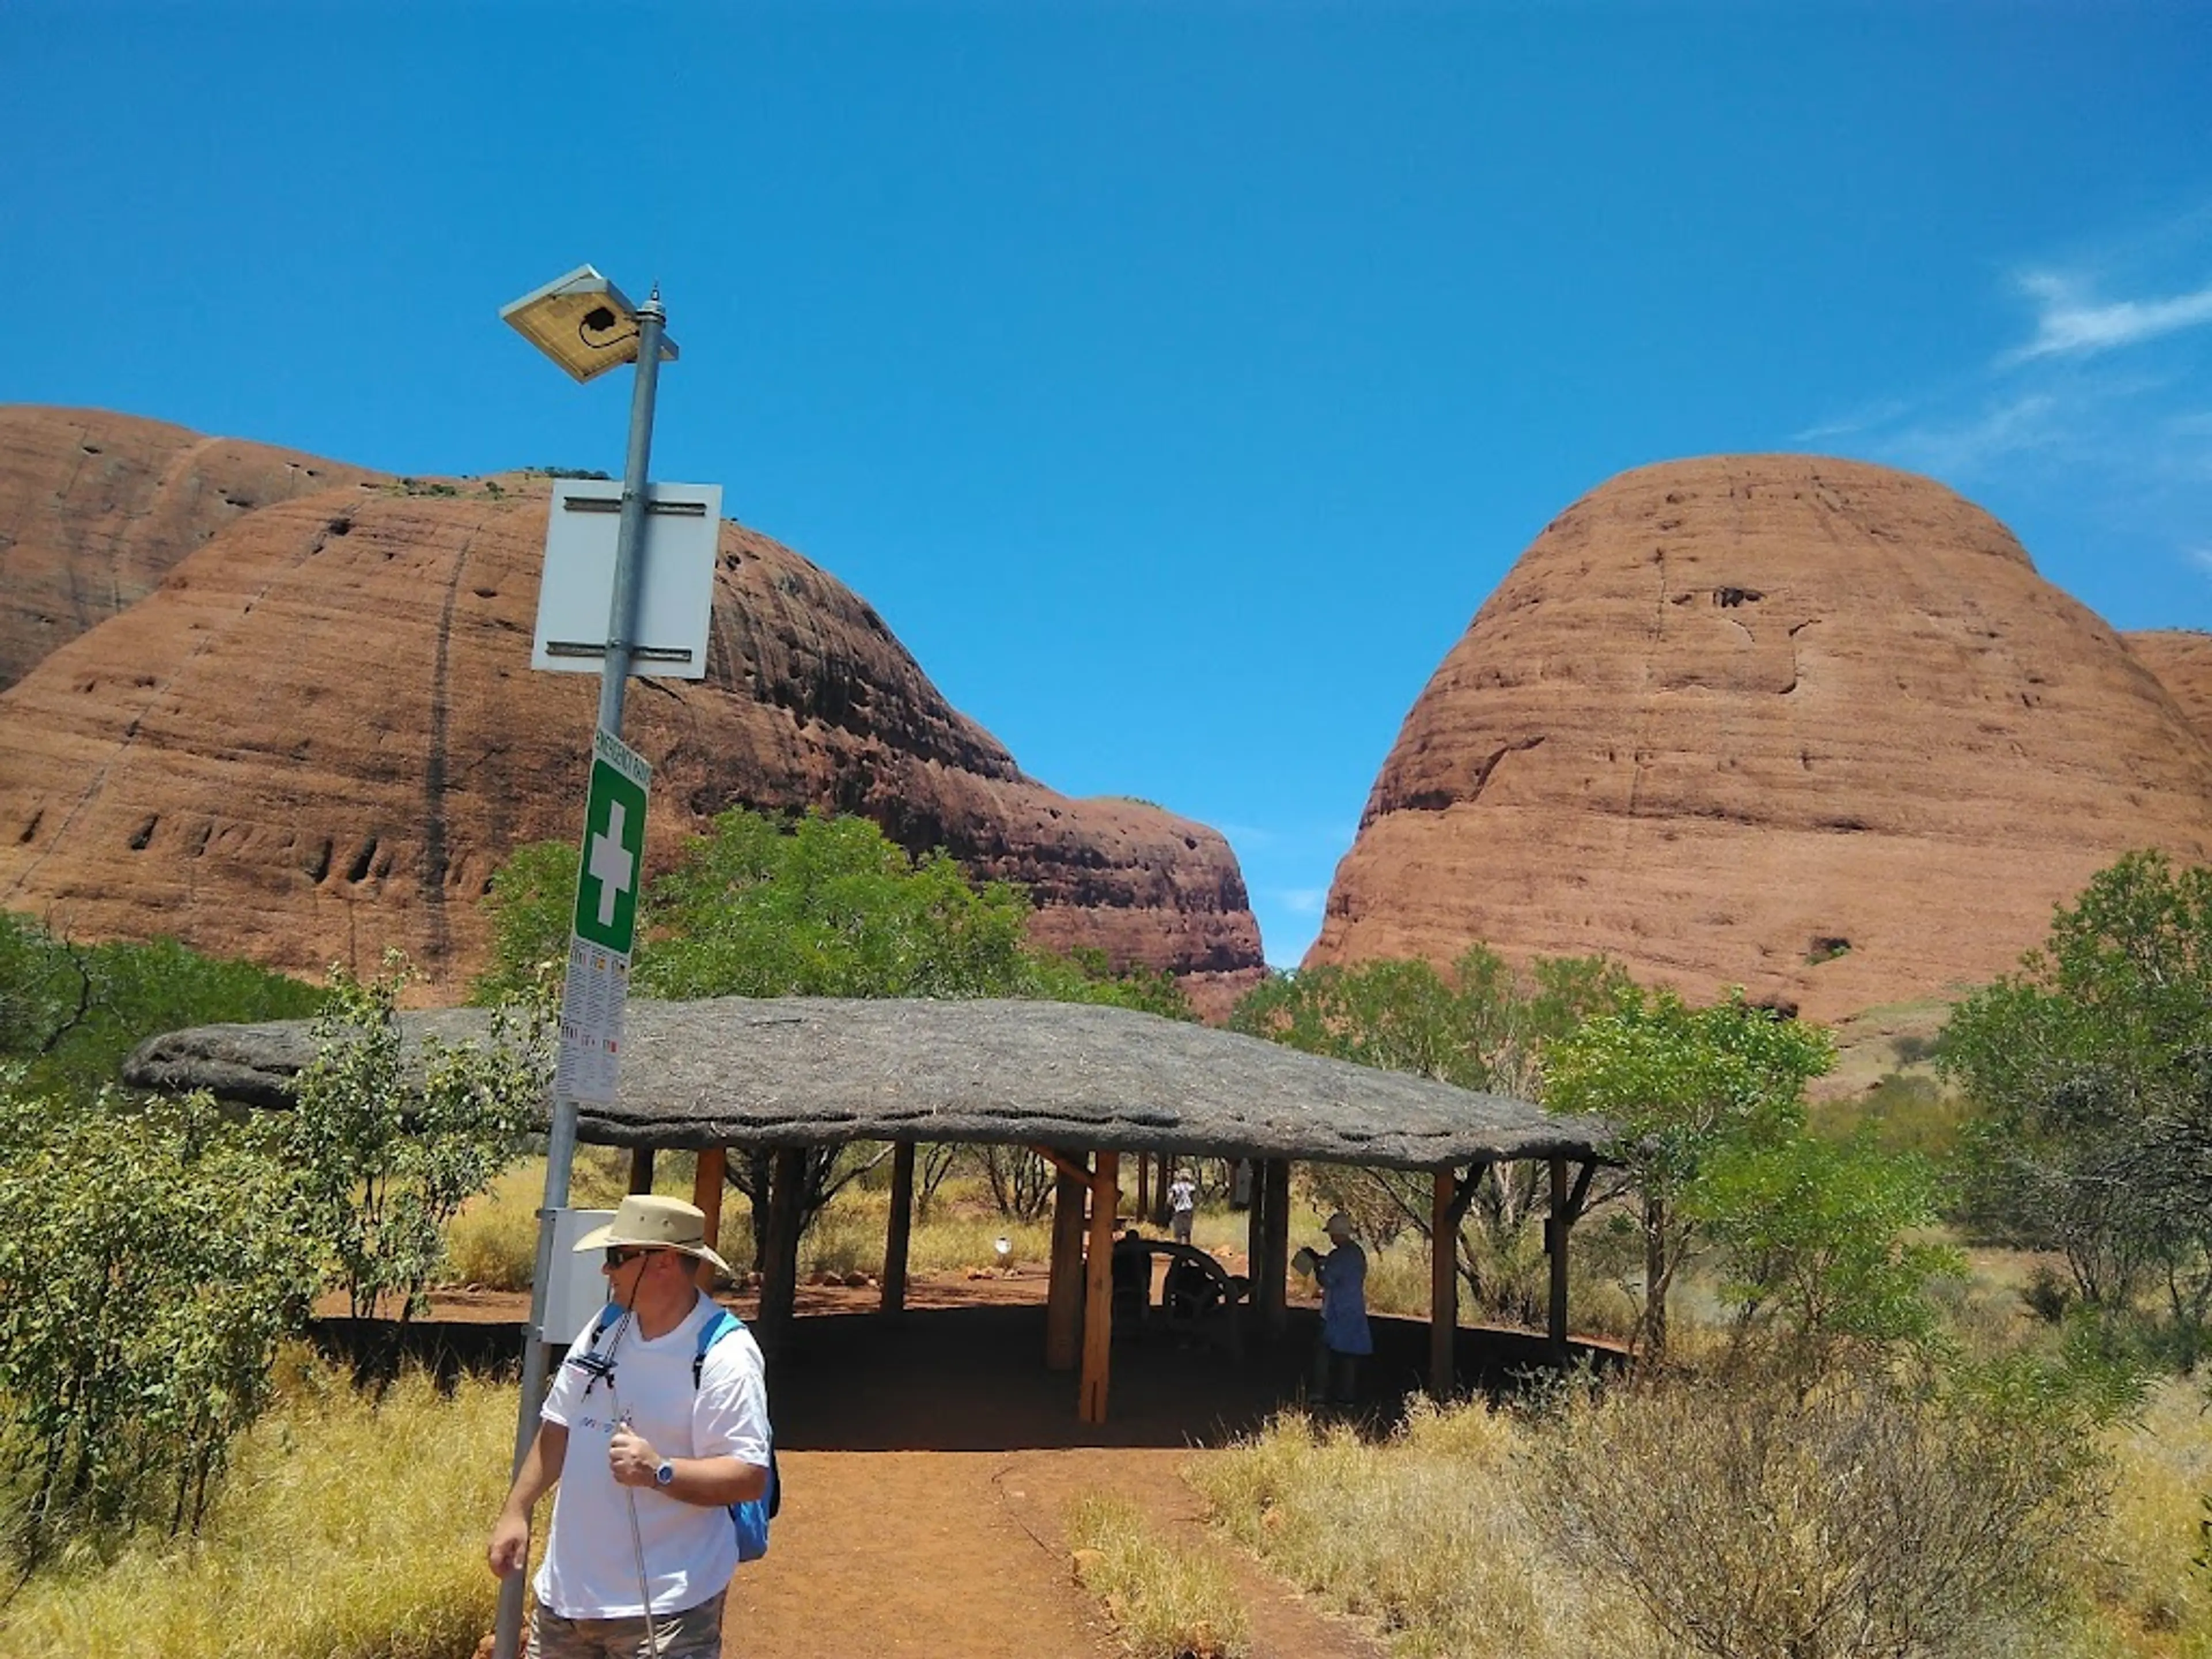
929, 1464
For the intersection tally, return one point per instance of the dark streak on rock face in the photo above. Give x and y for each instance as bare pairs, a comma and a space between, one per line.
332, 703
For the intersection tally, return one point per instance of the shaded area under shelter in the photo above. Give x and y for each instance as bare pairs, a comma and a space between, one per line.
1079, 1084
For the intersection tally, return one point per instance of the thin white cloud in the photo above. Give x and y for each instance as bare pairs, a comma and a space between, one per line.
2201, 557
1302, 901
1963, 448
2068, 321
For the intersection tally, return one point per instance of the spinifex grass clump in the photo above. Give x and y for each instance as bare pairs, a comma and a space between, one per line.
1165, 1603
350, 1530
1425, 1533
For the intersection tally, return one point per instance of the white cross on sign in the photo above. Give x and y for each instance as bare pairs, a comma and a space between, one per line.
611, 866
614, 847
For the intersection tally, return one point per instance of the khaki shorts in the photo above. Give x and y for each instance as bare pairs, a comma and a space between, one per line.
694, 1633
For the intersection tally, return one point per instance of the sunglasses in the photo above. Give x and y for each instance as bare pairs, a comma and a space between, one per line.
620, 1256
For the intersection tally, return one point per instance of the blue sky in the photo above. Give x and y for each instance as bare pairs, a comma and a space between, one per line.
1176, 379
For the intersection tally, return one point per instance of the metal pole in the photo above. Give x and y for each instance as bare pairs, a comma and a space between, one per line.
613, 683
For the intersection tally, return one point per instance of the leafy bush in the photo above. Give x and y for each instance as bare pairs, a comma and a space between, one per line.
383, 1167
148, 1262
2091, 1073
1854, 1521
72, 1012
1818, 1249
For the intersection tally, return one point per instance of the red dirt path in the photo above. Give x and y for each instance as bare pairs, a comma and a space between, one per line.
929, 1464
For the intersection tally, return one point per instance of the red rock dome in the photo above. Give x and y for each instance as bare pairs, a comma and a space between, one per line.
1810, 727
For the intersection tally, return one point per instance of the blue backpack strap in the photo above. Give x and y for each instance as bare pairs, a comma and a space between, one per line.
751, 1517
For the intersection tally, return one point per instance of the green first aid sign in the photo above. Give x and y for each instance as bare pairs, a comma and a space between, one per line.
614, 846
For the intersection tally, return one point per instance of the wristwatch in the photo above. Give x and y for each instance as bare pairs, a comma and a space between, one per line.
663, 1473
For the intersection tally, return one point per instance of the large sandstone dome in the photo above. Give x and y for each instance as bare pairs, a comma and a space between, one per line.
95, 507
1805, 726
319, 734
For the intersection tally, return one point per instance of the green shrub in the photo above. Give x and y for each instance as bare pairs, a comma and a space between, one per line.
382, 1166
1853, 1521
148, 1262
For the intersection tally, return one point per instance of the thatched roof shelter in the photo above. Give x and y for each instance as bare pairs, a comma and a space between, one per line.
1079, 1084
746, 1072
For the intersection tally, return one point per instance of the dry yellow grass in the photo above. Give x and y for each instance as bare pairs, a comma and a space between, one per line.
348, 1530
1425, 1534
2161, 1468
1165, 1603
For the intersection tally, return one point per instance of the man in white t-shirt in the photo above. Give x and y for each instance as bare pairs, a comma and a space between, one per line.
625, 1426
1183, 1206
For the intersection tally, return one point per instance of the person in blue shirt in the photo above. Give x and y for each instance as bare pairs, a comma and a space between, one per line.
1344, 1339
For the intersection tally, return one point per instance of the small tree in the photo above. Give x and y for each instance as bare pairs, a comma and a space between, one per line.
1818, 1250
382, 1168
2090, 1073
1680, 1086
71, 1012
1479, 1025
150, 1259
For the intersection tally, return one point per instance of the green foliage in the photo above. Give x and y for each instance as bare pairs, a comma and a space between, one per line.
531, 903
1479, 1025
2090, 1073
1681, 1085
827, 907
383, 1167
72, 1012
1817, 1248
148, 1262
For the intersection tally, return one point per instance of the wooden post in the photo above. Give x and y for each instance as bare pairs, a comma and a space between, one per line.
901, 1228
1443, 1287
1555, 1241
706, 1193
1271, 1283
1256, 1237
1144, 1185
641, 1169
779, 1294
1063, 1311
1098, 1286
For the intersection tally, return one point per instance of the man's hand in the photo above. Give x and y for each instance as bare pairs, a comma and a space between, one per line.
510, 1544
631, 1458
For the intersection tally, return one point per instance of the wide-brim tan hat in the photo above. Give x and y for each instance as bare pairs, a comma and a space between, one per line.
656, 1223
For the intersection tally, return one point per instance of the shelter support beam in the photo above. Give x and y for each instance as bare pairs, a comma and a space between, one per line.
707, 1181
902, 1227
1063, 1313
1556, 1228
1256, 1238
1448, 1207
1099, 1287
1444, 1288
1270, 1279
778, 1294
641, 1169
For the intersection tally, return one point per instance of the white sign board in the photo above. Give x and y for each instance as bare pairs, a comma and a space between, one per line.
675, 578
575, 1289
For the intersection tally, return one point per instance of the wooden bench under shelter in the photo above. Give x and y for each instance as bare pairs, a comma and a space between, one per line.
1080, 1084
